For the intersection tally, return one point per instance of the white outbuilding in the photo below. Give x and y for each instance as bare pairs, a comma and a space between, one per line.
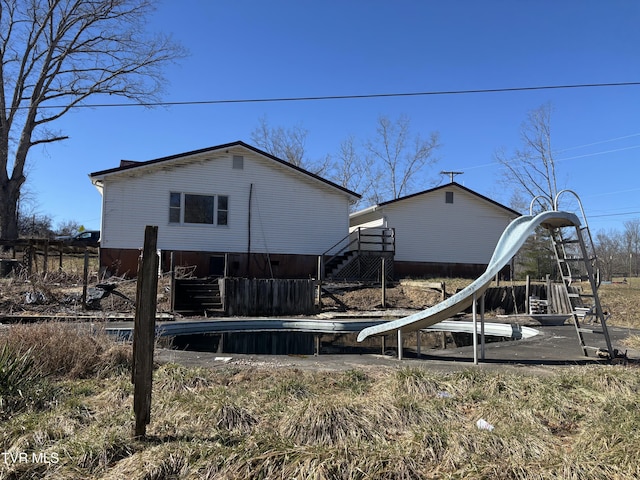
447, 231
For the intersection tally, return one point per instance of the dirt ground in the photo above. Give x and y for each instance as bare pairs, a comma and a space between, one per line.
60, 295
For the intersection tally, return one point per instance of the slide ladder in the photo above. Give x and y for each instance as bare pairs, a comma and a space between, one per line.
576, 257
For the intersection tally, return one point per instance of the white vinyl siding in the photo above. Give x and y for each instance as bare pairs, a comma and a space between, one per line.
290, 212
429, 229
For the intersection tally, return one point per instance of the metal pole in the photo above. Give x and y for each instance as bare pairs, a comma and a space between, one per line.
475, 329
482, 327
399, 344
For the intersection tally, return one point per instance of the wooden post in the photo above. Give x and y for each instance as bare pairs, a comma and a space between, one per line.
320, 281
172, 268
384, 284
30, 258
85, 279
549, 294
144, 331
45, 263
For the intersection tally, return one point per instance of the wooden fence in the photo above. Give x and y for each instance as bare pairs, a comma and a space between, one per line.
512, 299
244, 296
40, 256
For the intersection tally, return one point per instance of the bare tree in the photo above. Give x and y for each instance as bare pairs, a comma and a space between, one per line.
632, 243
68, 227
287, 144
54, 55
532, 169
609, 249
352, 170
401, 157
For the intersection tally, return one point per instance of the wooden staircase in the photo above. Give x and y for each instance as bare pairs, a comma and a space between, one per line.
197, 296
358, 256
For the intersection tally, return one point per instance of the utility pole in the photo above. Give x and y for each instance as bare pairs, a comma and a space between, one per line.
451, 174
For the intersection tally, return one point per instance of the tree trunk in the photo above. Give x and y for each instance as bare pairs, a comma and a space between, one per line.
9, 195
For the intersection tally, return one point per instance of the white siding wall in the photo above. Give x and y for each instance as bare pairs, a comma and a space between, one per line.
290, 213
430, 230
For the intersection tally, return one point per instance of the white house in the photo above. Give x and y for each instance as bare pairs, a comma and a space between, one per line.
449, 230
226, 209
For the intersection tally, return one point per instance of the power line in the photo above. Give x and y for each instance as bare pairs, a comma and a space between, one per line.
598, 153
598, 143
348, 97
614, 214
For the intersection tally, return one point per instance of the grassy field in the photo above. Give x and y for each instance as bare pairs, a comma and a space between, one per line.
66, 412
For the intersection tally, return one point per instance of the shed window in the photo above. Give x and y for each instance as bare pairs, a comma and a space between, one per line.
448, 197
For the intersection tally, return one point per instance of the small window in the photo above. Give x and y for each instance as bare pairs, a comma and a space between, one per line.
223, 209
198, 209
448, 197
174, 207
238, 162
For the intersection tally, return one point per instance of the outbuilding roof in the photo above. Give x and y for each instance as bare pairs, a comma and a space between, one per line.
424, 192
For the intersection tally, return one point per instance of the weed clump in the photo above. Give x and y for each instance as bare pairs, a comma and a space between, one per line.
68, 351
21, 384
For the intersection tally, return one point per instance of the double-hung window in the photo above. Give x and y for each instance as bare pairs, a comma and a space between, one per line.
198, 209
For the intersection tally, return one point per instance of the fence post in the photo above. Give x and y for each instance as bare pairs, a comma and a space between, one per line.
45, 262
320, 282
384, 283
85, 279
144, 331
172, 268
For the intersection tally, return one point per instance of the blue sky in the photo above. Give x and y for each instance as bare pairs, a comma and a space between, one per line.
241, 49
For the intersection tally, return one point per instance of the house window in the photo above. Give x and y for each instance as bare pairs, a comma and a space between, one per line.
448, 197
198, 208
202, 209
175, 200
223, 209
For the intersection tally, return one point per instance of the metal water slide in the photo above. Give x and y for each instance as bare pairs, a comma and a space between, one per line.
512, 239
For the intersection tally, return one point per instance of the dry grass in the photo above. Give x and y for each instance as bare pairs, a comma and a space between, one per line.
623, 300
68, 350
393, 424
239, 423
